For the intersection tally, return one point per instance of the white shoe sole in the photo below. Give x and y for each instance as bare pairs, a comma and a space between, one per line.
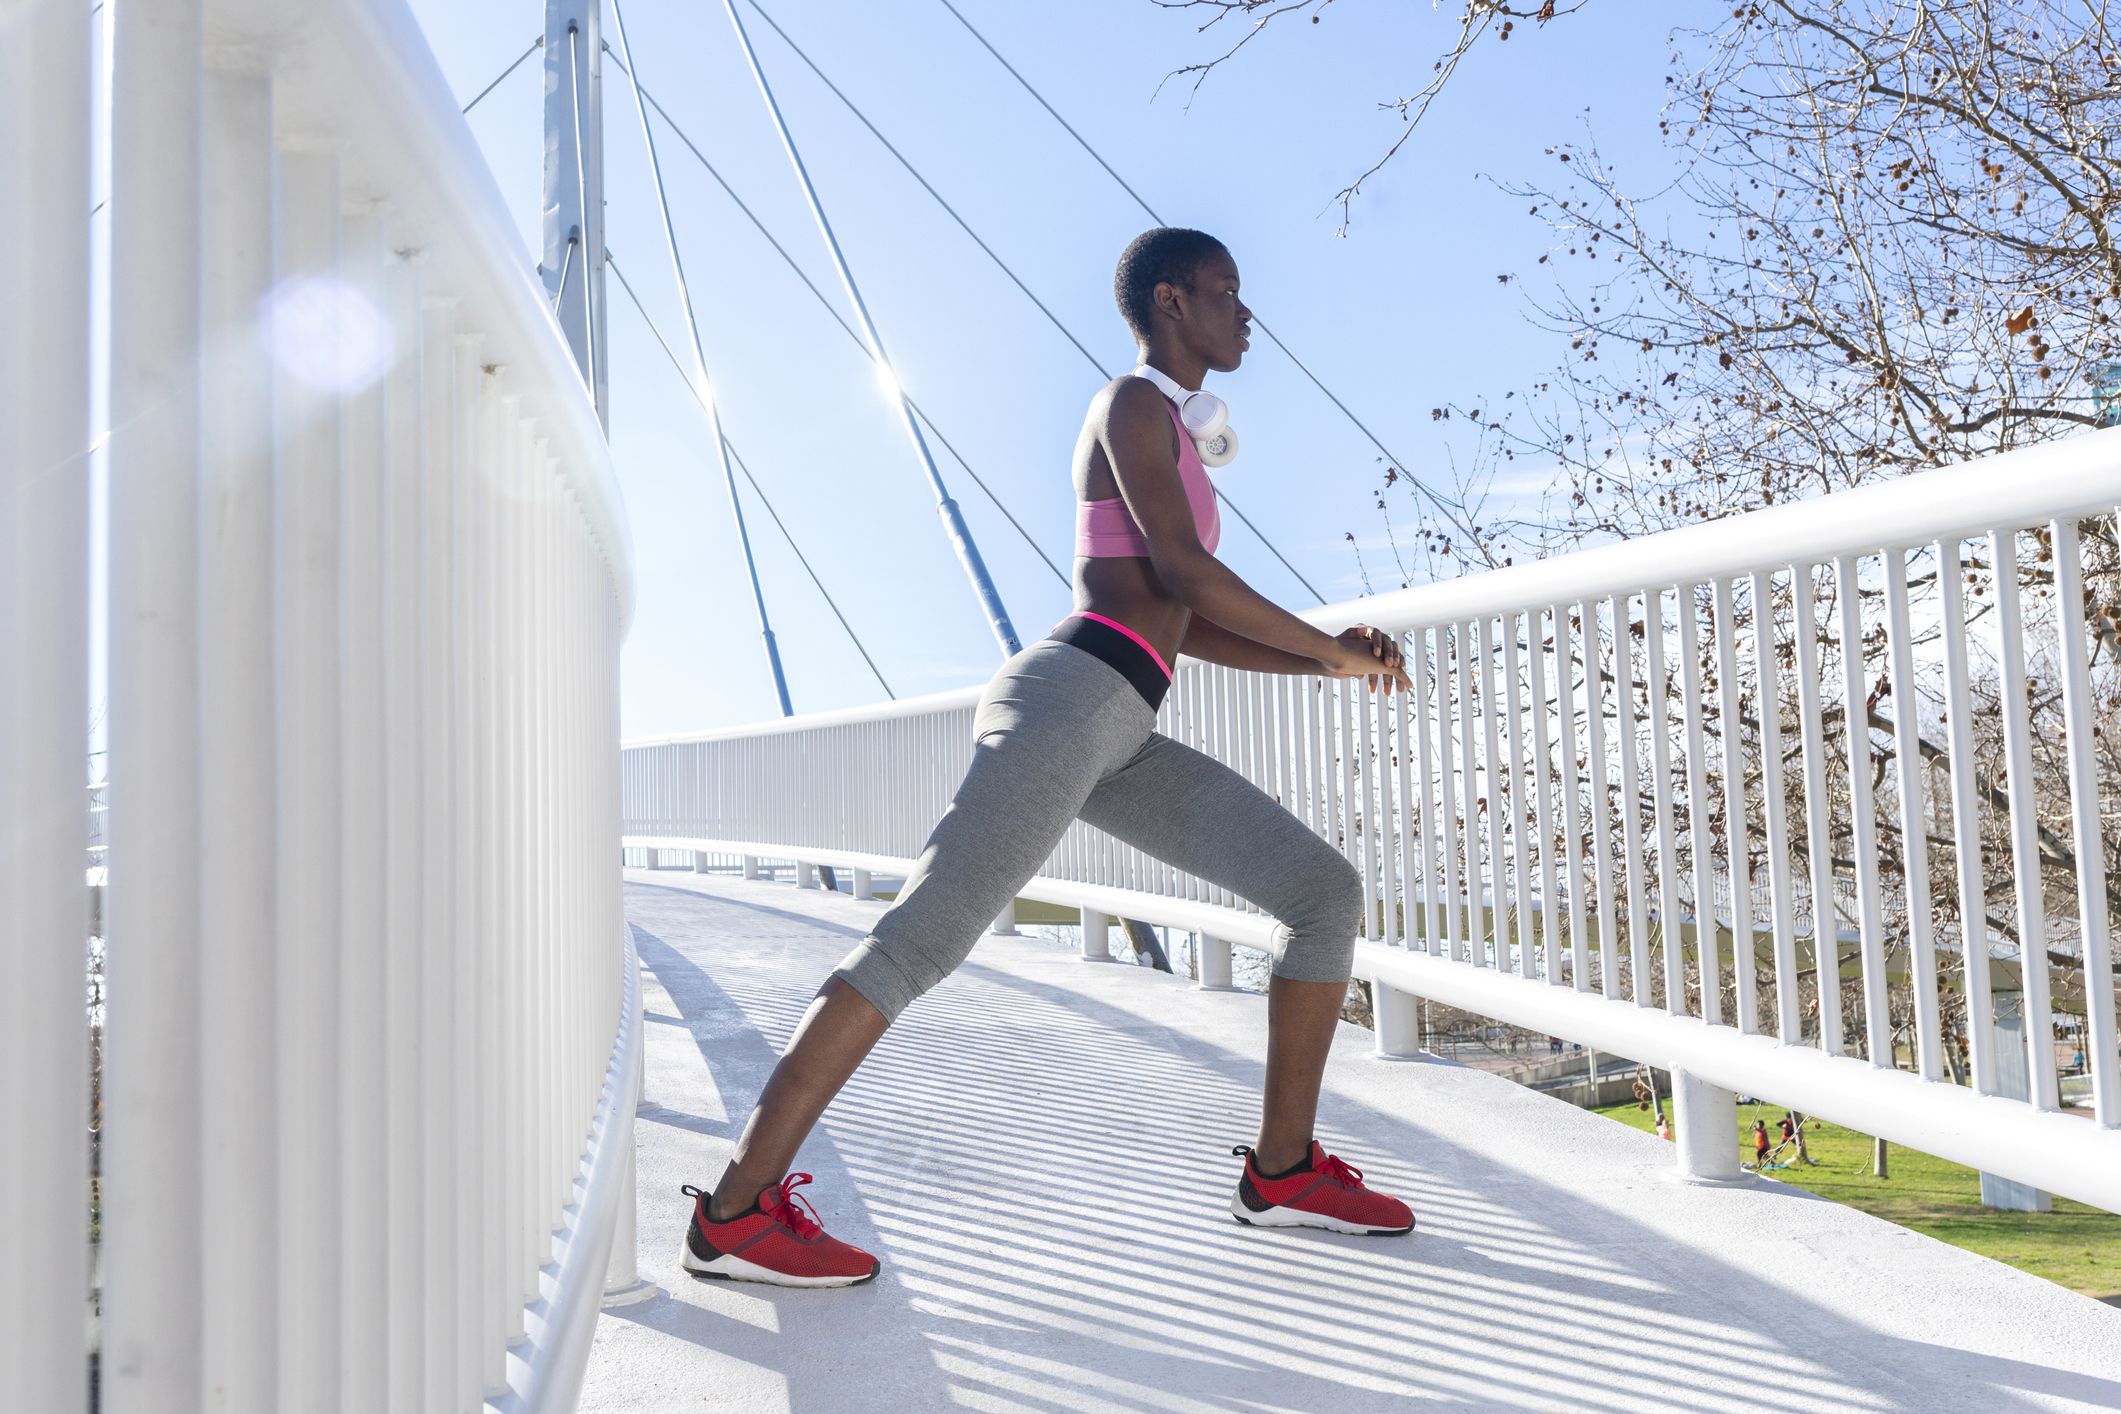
1296, 1217
732, 1268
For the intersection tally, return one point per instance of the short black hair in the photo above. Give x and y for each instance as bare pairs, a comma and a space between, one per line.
1166, 254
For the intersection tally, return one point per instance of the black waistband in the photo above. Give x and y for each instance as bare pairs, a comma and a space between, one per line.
1107, 644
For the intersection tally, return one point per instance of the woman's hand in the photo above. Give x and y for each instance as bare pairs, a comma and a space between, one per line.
1365, 652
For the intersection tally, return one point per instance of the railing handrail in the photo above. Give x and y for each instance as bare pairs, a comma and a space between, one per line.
365, 66
2076, 476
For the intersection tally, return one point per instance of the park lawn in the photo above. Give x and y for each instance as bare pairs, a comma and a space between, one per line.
2076, 1246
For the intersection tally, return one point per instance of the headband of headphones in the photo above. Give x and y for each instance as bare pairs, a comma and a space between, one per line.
1207, 417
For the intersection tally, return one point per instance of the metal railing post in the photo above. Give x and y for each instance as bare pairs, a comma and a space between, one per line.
1397, 1014
1214, 963
1097, 936
1705, 1123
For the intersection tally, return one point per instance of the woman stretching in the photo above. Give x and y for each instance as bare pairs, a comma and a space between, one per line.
1066, 730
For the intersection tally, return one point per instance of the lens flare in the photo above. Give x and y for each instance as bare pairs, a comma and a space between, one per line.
325, 333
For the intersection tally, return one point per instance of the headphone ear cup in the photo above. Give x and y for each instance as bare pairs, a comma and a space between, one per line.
1205, 415
1219, 450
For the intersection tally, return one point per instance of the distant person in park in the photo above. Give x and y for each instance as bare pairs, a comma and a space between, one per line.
1066, 730
1760, 1142
1789, 1127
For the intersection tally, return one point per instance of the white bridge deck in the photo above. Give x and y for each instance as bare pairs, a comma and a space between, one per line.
1039, 1152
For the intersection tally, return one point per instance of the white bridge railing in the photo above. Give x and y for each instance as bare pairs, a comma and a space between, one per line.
1599, 741
369, 1055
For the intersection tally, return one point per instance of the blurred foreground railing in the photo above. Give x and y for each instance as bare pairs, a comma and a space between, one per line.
1597, 745
370, 1046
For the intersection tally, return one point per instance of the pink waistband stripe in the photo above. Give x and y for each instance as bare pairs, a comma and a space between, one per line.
1145, 643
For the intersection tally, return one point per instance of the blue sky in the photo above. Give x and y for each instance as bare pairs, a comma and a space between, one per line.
1399, 315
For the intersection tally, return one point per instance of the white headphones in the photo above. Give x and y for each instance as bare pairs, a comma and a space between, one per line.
1207, 417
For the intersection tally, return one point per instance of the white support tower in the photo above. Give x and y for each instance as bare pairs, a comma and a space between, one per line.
573, 202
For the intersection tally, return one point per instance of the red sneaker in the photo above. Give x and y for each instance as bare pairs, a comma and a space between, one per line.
778, 1239
1324, 1193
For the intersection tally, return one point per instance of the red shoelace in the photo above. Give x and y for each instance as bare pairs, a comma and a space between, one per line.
1341, 1172
803, 1220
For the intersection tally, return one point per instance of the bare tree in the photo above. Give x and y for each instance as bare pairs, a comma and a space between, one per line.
1480, 20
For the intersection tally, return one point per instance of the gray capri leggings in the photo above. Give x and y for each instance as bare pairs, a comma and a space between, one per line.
1061, 734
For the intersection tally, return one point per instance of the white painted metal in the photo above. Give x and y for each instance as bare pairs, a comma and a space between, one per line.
1774, 810
925, 744
2095, 927
1506, 814
1855, 706
2024, 818
1398, 1017
1826, 918
1628, 745
1097, 935
1707, 946
373, 1033
1704, 1117
1737, 849
152, 1135
1543, 810
1966, 831
1666, 837
1600, 804
1214, 962
1430, 879
1914, 819
47, 88
1570, 804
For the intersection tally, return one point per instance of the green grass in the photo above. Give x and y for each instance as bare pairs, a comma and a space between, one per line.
2076, 1246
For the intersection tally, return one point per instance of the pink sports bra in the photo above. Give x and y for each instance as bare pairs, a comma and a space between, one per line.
1105, 529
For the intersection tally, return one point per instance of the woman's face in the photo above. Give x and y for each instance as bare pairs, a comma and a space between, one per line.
1216, 324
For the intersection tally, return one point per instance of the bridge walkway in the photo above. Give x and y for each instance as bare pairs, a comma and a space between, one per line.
1039, 1151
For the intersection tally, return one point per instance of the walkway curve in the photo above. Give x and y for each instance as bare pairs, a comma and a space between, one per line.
1039, 1151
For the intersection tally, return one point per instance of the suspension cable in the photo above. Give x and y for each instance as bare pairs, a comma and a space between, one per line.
535, 46
559, 296
1435, 503
953, 520
702, 385
825, 303
728, 447
914, 172
581, 185
1003, 266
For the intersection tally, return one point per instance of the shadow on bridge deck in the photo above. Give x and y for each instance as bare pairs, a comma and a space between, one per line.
1039, 1152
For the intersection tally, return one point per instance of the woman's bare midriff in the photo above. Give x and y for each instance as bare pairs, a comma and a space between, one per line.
1126, 588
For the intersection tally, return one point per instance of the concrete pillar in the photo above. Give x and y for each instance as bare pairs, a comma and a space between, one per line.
751, 865
1397, 1015
1214, 963
864, 886
1005, 921
806, 875
1705, 1119
1097, 936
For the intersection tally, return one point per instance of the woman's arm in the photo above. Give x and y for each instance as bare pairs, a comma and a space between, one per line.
1211, 642
1135, 430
